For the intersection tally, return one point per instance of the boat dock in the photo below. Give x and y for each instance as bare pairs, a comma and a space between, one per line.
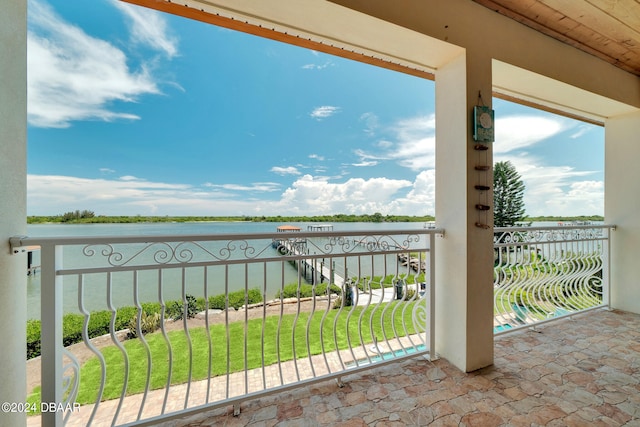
314, 266
31, 269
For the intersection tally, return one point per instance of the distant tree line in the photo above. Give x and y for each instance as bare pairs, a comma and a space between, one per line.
76, 215
88, 217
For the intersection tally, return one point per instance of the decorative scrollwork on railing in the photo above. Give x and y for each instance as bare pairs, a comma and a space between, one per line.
523, 236
70, 379
163, 253
545, 273
420, 315
370, 243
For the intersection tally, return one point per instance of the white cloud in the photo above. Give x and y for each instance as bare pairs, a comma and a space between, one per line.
74, 76
364, 164
412, 145
557, 190
256, 186
149, 27
54, 194
582, 130
324, 111
371, 123
316, 156
309, 195
314, 66
519, 132
49, 195
290, 170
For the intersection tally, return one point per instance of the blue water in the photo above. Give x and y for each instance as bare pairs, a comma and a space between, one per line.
388, 355
501, 328
122, 294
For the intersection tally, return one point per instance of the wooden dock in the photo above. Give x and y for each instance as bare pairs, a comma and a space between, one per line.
316, 267
31, 269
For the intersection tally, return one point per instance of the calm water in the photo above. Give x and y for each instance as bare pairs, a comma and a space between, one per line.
270, 278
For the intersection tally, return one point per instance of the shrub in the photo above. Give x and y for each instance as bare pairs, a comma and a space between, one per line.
306, 291
148, 323
177, 309
236, 299
100, 321
347, 296
72, 325
33, 338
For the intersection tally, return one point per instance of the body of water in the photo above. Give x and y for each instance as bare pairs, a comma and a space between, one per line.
270, 277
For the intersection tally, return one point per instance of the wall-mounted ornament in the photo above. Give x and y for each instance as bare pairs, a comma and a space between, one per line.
483, 124
482, 187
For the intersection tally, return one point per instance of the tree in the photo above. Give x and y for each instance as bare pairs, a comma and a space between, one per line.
508, 193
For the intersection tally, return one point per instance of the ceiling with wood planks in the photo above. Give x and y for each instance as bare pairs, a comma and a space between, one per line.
608, 29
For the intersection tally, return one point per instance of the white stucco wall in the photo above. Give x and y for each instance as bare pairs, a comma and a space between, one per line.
622, 208
13, 278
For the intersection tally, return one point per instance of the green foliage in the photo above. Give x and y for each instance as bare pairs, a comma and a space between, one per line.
148, 323
305, 291
346, 299
176, 310
565, 218
409, 294
100, 321
508, 195
74, 216
88, 217
33, 338
236, 299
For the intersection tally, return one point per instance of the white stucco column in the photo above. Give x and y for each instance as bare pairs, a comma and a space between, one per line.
622, 208
13, 176
464, 260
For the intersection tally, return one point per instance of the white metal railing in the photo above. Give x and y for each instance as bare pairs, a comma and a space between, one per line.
543, 273
377, 309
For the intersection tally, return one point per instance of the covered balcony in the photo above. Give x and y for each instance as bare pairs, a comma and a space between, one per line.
351, 340
500, 333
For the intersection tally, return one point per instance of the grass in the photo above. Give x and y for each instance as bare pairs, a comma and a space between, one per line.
382, 318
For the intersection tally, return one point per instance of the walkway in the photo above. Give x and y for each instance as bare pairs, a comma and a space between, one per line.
569, 373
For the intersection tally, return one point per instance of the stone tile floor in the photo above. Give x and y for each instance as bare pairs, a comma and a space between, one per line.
579, 372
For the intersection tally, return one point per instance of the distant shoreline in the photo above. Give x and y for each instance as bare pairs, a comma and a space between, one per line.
375, 218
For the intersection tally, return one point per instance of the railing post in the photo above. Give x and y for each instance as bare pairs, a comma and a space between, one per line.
606, 264
51, 333
432, 295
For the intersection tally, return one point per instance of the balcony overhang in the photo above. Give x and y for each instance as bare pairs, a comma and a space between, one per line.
322, 26
372, 34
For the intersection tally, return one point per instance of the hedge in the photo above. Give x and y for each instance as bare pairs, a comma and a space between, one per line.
100, 321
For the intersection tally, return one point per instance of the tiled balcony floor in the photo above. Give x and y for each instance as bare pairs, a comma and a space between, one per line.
579, 372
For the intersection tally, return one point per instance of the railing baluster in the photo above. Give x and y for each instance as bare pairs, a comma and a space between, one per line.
185, 326
163, 319
93, 348
51, 332
264, 326
143, 340
207, 328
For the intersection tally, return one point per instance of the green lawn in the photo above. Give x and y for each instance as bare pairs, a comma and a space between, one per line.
305, 332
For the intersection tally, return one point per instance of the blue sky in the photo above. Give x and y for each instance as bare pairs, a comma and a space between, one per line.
134, 112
